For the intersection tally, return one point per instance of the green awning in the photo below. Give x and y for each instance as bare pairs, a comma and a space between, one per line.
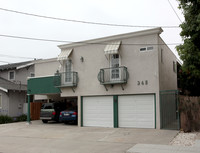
42, 85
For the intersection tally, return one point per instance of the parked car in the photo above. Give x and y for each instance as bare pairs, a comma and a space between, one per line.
51, 111
68, 115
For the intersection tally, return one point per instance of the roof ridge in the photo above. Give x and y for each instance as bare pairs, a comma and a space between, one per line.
14, 65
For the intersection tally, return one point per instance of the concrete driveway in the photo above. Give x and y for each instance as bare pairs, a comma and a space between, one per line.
60, 138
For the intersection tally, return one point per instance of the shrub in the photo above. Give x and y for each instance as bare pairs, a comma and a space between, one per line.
190, 113
5, 119
21, 118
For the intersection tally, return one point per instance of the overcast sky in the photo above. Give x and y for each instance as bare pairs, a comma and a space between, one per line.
129, 12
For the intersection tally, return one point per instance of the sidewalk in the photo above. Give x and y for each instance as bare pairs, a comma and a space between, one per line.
150, 148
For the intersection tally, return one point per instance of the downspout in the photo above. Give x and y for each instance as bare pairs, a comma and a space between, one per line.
28, 113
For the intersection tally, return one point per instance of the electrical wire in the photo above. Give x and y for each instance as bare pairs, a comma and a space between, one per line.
175, 12
5, 62
19, 37
10, 56
63, 41
85, 22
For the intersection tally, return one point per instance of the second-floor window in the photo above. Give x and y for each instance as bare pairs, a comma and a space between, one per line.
68, 71
148, 48
114, 64
11, 75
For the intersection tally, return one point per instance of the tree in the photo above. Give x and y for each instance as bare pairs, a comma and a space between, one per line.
189, 51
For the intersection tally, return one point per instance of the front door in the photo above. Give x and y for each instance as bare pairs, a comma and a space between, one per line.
114, 64
68, 71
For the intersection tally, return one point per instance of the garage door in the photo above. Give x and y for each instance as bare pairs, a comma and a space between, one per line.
136, 111
98, 111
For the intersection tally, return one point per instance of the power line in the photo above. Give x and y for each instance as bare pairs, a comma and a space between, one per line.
175, 12
85, 22
63, 41
10, 56
38, 39
5, 62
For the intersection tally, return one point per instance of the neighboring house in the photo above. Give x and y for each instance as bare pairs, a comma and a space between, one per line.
13, 87
115, 81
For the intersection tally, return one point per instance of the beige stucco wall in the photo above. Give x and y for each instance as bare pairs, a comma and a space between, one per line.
46, 67
141, 66
168, 78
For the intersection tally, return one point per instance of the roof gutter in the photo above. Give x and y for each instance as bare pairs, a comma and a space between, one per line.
105, 40
23, 66
3, 89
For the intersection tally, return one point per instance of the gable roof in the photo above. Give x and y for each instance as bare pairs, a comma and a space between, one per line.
15, 65
6, 85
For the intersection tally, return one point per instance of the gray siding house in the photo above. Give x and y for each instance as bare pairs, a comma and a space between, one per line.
13, 87
115, 81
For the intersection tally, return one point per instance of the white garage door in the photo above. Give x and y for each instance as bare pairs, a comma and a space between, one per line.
136, 111
98, 111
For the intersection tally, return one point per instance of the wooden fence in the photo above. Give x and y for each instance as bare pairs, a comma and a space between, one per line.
189, 113
35, 110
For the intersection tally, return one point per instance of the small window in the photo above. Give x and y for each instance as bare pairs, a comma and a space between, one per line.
114, 60
143, 49
32, 74
150, 48
11, 75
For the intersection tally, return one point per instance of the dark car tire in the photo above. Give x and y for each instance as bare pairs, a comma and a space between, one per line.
45, 121
75, 122
66, 122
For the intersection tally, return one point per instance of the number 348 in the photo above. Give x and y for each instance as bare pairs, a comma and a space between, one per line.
142, 82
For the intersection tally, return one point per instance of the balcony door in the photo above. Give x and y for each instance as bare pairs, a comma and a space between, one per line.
114, 64
68, 71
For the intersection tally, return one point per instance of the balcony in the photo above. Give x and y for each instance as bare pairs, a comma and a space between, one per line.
116, 75
66, 79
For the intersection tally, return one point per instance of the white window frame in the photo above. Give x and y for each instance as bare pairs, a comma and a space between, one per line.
110, 58
0, 100
146, 48
150, 47
9, 75
64, 70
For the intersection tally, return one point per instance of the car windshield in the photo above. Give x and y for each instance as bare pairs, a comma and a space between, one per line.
47, 106
71, 109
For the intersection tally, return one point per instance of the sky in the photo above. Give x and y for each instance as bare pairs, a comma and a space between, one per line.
121, 12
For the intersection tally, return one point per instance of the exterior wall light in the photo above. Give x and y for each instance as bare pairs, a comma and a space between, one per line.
82, 59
